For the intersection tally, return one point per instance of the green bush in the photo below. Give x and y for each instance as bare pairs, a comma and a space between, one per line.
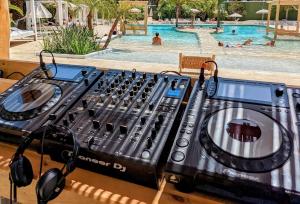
71, 40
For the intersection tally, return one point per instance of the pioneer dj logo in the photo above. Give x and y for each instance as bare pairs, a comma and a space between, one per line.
113, 165
232, 173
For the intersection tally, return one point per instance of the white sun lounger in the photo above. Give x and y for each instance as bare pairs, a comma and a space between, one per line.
17, 34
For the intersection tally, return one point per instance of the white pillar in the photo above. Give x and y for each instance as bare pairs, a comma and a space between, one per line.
59, 12
66, 8
33, 18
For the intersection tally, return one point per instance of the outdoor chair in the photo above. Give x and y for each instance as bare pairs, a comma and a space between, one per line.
189, 64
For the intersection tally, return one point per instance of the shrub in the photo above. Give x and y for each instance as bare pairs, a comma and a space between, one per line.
71, 40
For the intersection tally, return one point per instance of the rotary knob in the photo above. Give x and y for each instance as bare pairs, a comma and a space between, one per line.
123, 73
114, 99
138, 103
90, 142
138, 83
71, 117
160, 118
123, 129
166, 78
149, 143
173, 84
146, 90
151, 106
279, 91
143, 120
96, 124
108, 90
86, 82
91, 112
65, 122
153, 134
144, 75
83, 72
157, 125
109, 127
112, 85
133, 75
116, 81
123, 87
127, 81
84, 103
126, 101
155, 78
102, 97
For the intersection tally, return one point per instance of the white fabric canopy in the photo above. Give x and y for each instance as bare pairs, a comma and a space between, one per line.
135, 10
235, 15
195, 11
262, 11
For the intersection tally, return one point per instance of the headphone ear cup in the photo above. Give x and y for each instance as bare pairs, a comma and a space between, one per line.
21, 171
50, 185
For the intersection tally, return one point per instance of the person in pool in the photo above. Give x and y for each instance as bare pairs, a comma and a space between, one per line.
248, 42
233, 32
271, 43
156, 40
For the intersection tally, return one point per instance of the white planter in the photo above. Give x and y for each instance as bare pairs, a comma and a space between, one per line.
101, 52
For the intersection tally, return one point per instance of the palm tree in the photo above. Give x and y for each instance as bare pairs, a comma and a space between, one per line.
220, 2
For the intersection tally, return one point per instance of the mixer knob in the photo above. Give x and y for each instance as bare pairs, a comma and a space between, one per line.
100, 84
144, 75
84, 103
127, 81
114, 99
146, 90
134, 88
126, 101
108, 90
90, 142
279, 91
143, 120
298, 107
173, 83
112, 85
133, 74
131, 93
166, 78
138, 103
123, 129
160, 118
83, 72
66, 122
86, 82
157, 125
116, 81
138, 84
102, 97
71, 117
123, 86
151, 106
120, 92
149, 143
110, 127
155, 77
91, 112
123, 73
153, 134
96, 124
144, 95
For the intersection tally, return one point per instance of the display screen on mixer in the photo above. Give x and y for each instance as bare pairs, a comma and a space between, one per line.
65, 72
253, 92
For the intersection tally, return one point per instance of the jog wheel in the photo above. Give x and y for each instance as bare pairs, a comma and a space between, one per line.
245, 140
30, 101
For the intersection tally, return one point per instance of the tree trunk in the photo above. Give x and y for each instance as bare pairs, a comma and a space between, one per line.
90, 20
111, 31
177, 14
218, 16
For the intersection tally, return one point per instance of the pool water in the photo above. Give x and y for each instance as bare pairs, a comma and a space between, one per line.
169, 35
243, 33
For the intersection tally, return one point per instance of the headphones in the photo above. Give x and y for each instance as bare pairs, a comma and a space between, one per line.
52, 182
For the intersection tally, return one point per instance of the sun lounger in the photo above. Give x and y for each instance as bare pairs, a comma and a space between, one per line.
17, 34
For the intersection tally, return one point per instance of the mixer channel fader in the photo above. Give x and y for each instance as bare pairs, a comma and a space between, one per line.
123, 123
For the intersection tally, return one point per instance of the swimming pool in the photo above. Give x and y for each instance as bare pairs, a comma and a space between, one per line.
170, 36
242, 33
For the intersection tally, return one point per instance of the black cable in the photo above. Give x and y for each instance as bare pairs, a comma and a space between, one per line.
20, 73
167, 71
42, 150
43, 65
10, 189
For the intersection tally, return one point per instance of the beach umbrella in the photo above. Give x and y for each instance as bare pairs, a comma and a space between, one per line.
135, 10
40, 13
72, 6
262, 12
195, 11
235, 15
